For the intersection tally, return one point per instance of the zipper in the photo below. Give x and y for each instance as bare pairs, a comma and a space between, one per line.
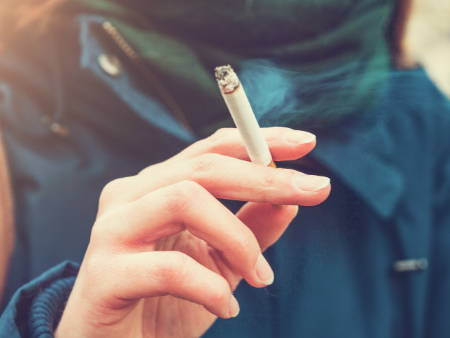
53, 121
170, 102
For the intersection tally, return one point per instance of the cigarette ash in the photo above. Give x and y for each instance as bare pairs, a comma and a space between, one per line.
227, 79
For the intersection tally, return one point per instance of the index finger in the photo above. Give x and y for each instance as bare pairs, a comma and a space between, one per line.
229, 178
285, 144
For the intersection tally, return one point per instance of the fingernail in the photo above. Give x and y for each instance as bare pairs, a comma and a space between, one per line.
264, 271
310, 182
234, 307
296, 211
298, 137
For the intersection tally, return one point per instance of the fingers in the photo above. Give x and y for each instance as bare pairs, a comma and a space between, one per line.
229, 178
170, 273
266, 222
284, 144
225, 177
186, 205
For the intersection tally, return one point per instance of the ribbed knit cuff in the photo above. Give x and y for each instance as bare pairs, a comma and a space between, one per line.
48, 306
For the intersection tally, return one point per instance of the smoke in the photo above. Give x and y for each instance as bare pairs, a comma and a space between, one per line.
313, 98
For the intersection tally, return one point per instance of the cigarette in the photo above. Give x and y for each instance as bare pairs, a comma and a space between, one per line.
244, 118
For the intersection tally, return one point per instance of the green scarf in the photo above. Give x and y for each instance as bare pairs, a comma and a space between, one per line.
302, 62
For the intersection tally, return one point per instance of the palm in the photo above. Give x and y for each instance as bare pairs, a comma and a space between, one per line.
186, 319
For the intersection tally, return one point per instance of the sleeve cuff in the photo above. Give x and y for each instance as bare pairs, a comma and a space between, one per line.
35, 309
47, 307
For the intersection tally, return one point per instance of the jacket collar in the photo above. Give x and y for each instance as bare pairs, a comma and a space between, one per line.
362, 153
358, 150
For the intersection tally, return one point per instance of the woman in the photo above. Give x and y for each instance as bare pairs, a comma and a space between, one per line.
113, 88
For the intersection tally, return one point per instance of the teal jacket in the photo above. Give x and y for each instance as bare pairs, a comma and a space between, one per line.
371, 261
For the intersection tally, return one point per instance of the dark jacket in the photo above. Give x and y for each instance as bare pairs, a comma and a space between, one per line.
371, 261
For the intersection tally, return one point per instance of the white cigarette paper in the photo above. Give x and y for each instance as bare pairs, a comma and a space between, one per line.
243, 116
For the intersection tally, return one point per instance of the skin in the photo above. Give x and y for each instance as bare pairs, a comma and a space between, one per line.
165, 255
6, 219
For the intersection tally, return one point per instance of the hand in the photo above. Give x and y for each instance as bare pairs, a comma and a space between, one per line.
165, 255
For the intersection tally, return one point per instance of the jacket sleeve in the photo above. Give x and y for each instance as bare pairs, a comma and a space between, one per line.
36, 308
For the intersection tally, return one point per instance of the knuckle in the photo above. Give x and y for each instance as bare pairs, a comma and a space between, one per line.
151, 169
280, 178
279, 181
113, 189
175, 269
204, 163
245, 243
220, 134
271, 178
183, 195
112, 186
288, 178
220, 293
216, 140
104, 233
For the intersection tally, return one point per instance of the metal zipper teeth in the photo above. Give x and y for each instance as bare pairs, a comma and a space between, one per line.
151, 77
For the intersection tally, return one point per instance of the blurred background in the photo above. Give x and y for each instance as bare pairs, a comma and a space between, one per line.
427, 40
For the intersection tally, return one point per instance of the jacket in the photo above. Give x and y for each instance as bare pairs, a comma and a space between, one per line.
371, 261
